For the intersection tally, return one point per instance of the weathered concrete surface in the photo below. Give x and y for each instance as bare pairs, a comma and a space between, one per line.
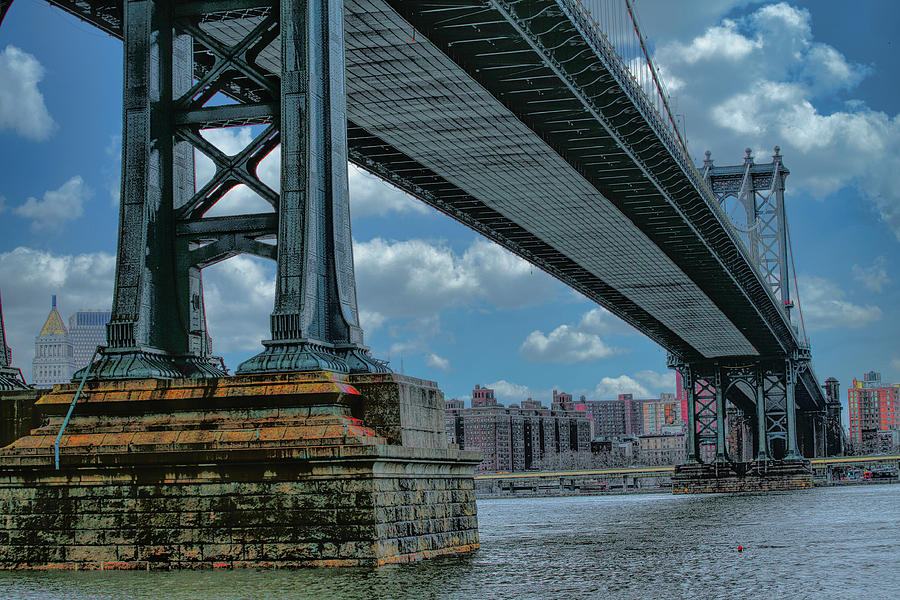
405, 410
769, 476
18, 414
266, 470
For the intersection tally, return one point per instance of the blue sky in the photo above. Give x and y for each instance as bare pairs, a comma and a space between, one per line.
817, 78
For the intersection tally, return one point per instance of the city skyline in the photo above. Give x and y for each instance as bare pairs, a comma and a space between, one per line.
467, 310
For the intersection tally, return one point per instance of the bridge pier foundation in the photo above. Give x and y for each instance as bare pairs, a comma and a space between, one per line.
756, 476
726, 399
274, 470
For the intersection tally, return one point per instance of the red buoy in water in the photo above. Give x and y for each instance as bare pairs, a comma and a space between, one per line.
740, 548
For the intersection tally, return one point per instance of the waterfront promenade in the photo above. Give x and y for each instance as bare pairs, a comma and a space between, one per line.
826, 471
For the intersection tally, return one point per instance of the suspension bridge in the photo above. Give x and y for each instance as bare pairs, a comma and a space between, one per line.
541, 124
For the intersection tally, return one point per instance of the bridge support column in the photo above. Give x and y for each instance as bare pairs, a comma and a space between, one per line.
762, 453
177, 60
721, 450
687, 381
158, 327
790, 382
315, 324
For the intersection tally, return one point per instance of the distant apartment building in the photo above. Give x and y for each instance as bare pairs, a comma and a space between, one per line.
451, 410
54, 360
872, 407
608, 417
516, 438
681, 396
482, 396
634, 414
662, 449
87, 330
562, 401
661, 413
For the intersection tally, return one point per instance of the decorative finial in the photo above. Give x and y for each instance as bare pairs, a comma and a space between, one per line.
749, 157
777, 150
708, 154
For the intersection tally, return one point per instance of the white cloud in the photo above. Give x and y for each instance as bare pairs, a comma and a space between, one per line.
369, 195
761, 79
664, 19
507, 392
22, 105
601, 321
29, 277
371, 321
659, 382
565, 344
719, 42
437, 362
414, 278
874, 277
575, 343
611, 387
57, 207
825, 307
2, 204
239, 294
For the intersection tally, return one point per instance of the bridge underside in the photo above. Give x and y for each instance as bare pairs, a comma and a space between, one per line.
508, 117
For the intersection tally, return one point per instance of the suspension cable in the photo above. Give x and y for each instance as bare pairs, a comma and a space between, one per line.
790, 249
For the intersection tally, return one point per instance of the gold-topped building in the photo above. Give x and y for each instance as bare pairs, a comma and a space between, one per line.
54, 360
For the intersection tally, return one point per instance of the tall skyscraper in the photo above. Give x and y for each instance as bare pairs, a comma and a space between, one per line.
873, 407
87, 330
53, 356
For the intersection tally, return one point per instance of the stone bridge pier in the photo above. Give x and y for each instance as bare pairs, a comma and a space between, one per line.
745, 431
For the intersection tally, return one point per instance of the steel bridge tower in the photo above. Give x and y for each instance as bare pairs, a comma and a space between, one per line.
176, 74
763, 389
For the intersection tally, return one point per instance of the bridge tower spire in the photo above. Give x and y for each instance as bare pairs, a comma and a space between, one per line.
179, 64
10, 378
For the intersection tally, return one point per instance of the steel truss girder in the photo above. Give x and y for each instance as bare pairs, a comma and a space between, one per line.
760, 189
763, 390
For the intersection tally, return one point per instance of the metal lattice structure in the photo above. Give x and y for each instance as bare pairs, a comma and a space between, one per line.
10, 377
531, 121
179, 60
758, 189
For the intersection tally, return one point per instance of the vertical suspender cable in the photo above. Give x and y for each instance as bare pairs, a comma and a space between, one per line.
659, 88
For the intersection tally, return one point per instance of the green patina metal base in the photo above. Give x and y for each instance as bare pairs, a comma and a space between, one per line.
132, 363
280, 357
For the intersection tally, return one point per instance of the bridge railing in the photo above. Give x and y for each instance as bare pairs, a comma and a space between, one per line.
611, 27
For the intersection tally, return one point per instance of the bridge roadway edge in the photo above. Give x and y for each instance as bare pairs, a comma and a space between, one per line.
257, 471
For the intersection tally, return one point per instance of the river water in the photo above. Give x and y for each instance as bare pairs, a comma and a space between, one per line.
821, 543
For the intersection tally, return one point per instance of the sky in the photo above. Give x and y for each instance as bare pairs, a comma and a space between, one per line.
817, 78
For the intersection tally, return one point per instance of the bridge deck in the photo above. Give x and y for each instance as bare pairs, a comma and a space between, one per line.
509, 117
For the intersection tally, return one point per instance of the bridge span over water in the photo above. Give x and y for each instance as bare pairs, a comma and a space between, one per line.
526, 120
